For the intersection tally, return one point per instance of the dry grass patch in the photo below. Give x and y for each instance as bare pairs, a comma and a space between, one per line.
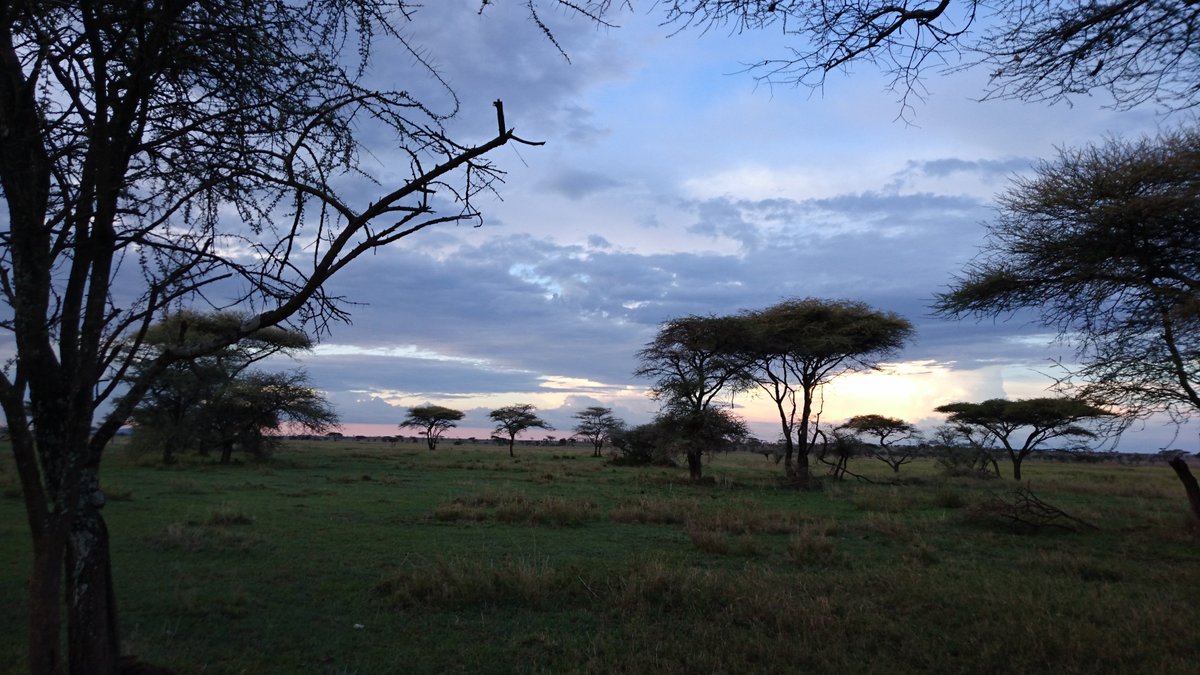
453, 511
812, 545
655, 511
721, 543
881, 499
227, 514
889, 526
118, 493
516, 508
192, 537
745, 519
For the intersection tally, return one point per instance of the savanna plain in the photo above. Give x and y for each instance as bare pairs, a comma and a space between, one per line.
366, 557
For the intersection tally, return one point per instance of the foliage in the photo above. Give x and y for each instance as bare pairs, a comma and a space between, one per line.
214, 401
693, 359
1137, 51
799, 345
1045, 418
435, 420
644, 445
257, 405
513, 419
597, 425
888, 431
1105, 244
695, 433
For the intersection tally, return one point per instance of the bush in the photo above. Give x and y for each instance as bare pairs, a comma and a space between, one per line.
958, 461
644, 445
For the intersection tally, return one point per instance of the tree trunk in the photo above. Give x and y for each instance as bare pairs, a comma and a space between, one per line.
801, 472
93, 641
45, 601
1190, 486
511, 441
788, 446
695, 465
1016, 462
227, 452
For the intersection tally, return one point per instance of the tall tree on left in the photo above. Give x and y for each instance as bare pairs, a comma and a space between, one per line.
158, 154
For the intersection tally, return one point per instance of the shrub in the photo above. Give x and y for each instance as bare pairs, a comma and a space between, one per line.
644, 445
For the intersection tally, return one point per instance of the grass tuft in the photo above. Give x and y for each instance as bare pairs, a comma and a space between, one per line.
227, 514
811, 545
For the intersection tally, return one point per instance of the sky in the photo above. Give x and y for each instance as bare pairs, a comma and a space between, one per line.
673, 183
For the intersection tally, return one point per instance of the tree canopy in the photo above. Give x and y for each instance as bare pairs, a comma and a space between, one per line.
215, 400
692, 360
1104, 243
511, 420
434, 420
887, 431
1045, 419
1137, 51
799, 345
597, 425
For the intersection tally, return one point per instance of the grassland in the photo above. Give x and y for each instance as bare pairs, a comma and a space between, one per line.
365, 558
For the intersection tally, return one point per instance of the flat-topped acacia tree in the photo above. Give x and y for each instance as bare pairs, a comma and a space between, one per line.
797, 346
1043, 419
511, 420
434, 420
164, 154
887, 432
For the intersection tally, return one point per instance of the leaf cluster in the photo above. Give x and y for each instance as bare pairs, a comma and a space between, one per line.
1104, 243
1137, 51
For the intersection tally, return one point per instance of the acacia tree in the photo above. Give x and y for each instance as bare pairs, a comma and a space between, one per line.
1045, 418
597, 425
1104, 243
692, 359
1137, 51
513, 419
168, 417
887, 431
435, 420
159, 153
797, 346
256, 406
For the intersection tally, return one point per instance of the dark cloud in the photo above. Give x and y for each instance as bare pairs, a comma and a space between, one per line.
577, 184
941, 168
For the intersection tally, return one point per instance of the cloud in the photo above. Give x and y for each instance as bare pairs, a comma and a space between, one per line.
577, 184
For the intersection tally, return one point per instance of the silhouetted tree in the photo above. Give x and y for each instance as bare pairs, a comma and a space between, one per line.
799, 345
692, 359
1104, 243
597, 425
514, 419
1045, 419
168, 418
887, 432
434, 420
256, 405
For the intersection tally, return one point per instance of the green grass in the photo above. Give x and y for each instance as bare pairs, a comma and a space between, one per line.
363, 558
